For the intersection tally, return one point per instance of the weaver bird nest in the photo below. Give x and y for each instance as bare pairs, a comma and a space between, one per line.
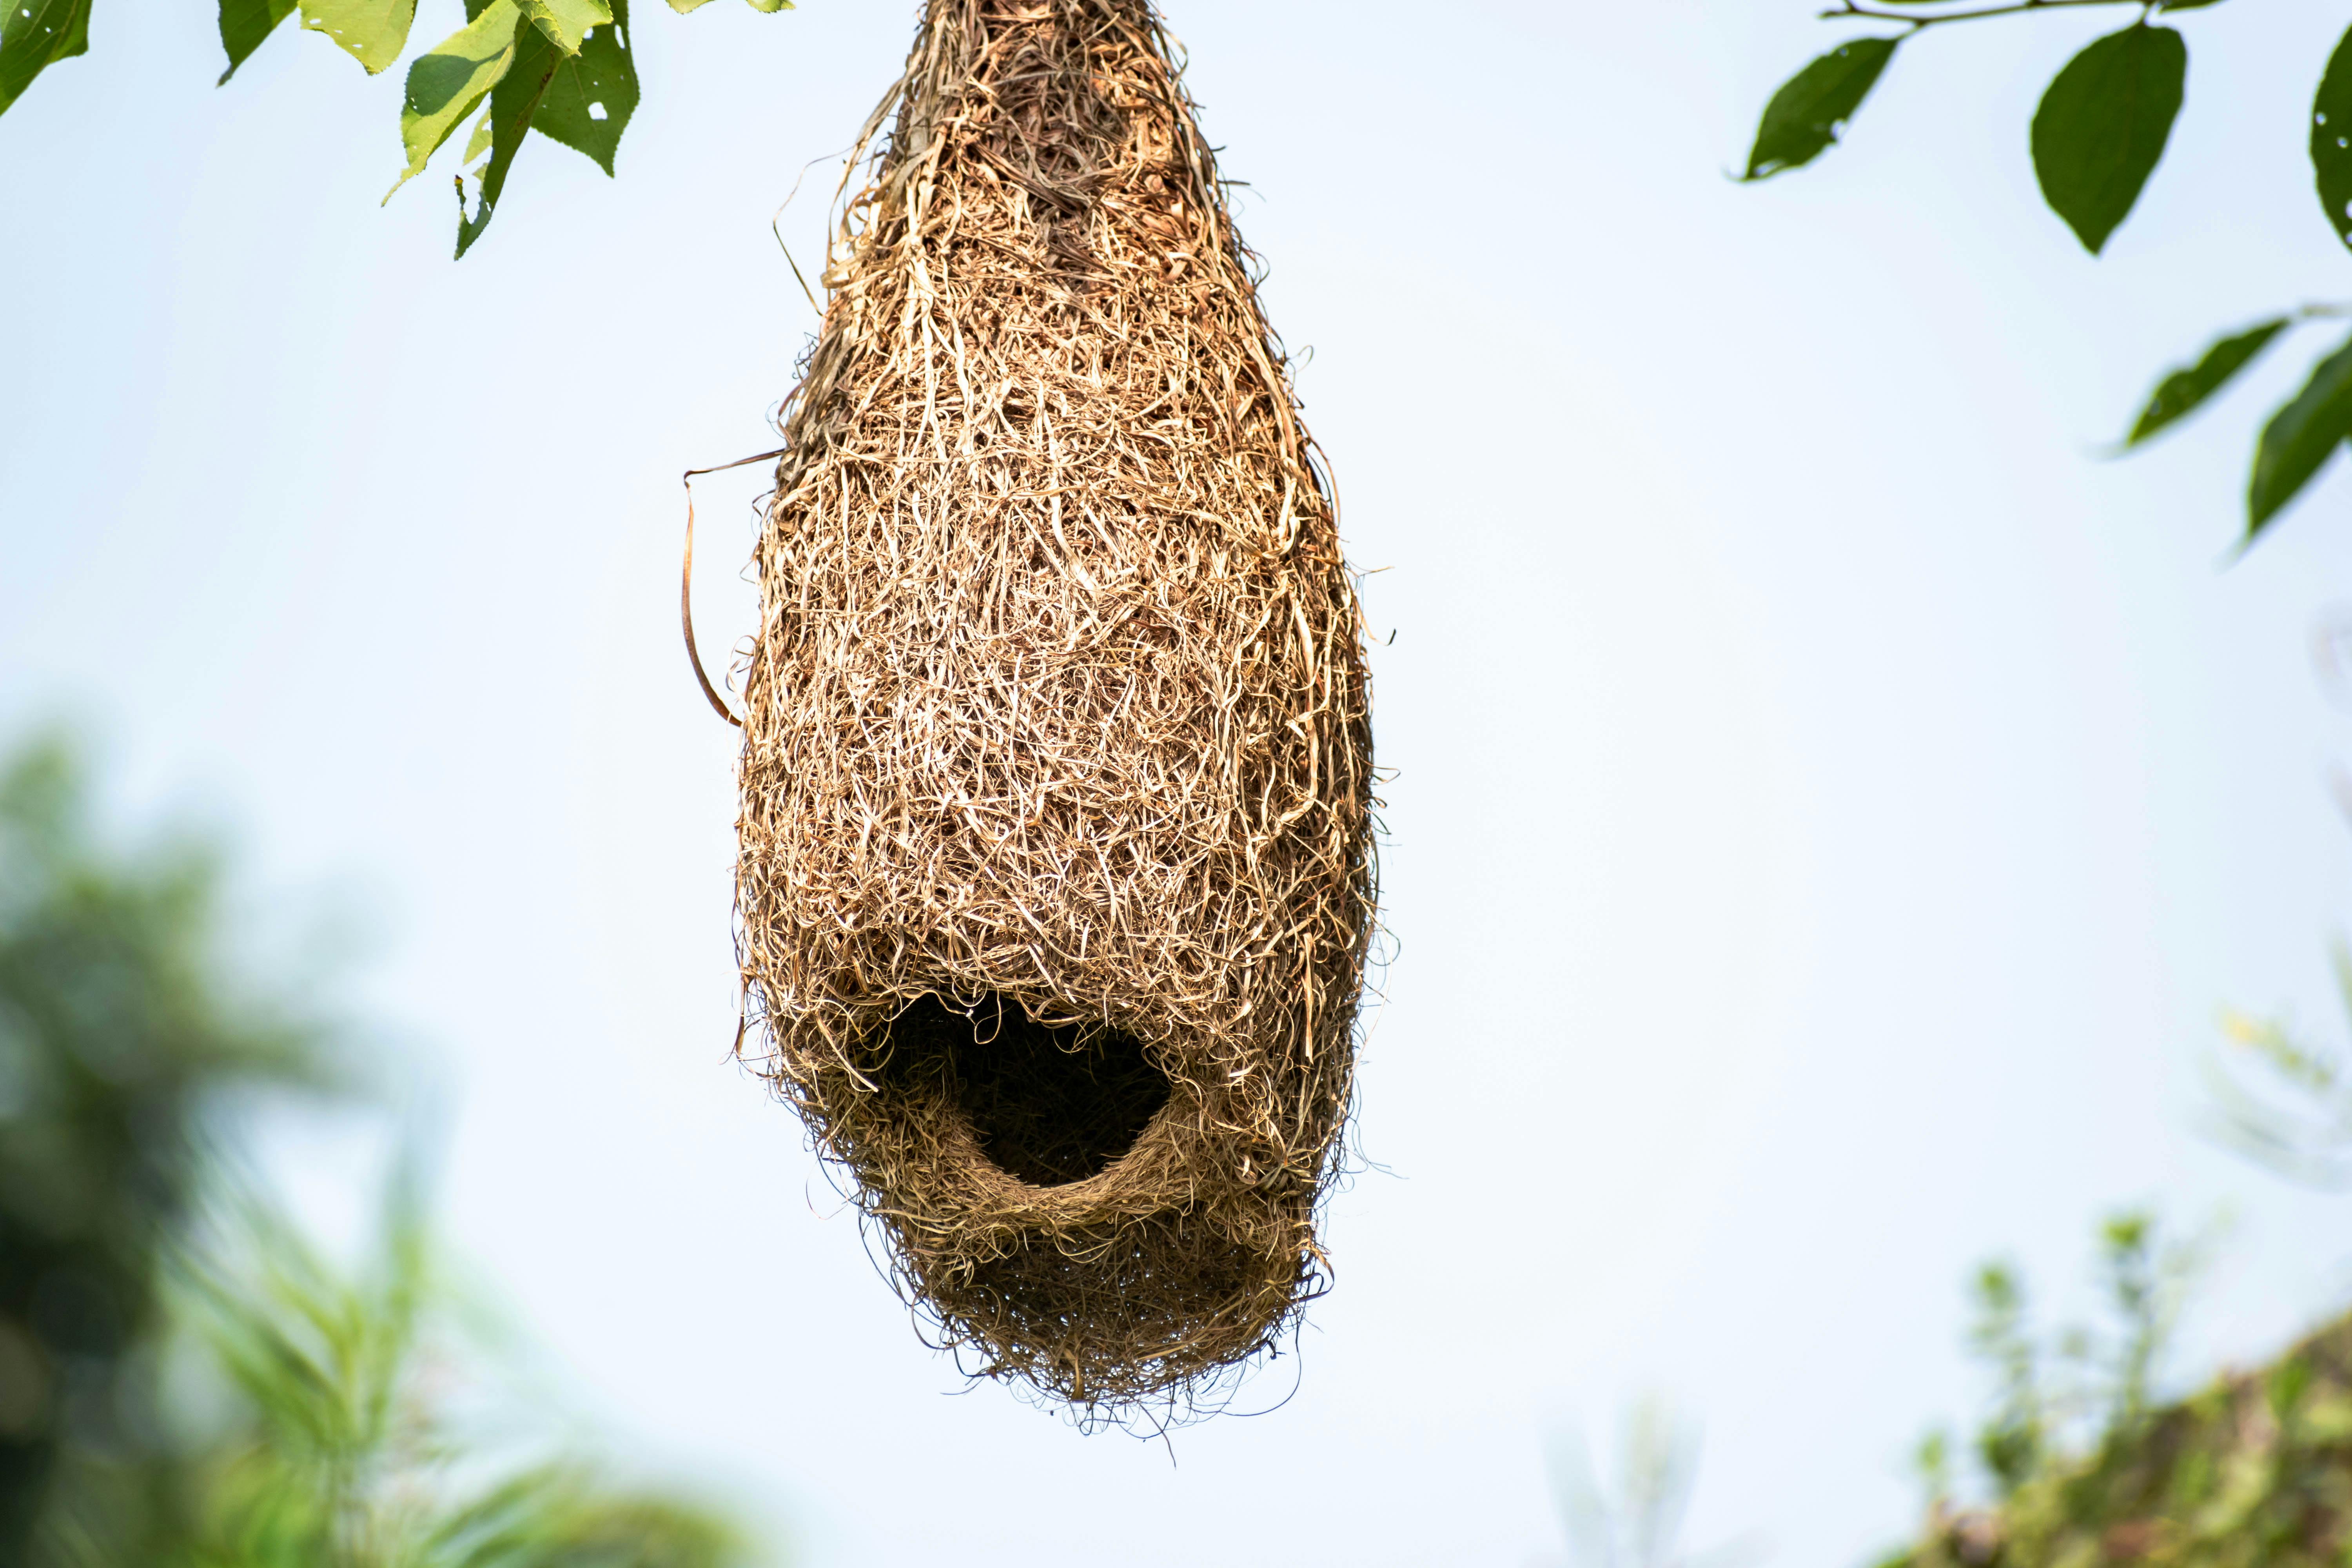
1057, 873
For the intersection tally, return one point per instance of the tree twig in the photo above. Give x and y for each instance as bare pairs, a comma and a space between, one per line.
1918, 23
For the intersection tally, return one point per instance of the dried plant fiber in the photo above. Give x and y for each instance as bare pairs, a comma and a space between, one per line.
1057, 868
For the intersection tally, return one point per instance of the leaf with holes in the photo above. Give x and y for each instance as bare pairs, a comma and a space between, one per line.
513, 102
589, 100
2331, 139
2181, 393
446, 81
2103, 125
559, 96
1804, 117
2299, 438
36, 35
244, 24
372, 31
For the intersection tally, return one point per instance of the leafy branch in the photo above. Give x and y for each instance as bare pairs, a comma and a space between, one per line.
2099, 131
562, 68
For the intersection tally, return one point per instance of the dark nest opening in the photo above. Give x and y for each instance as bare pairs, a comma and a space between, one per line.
1047, 1104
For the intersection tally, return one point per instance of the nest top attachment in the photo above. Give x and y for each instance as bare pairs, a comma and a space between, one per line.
1056, 867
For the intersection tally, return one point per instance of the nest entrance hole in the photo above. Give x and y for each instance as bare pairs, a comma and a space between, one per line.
1048, 1104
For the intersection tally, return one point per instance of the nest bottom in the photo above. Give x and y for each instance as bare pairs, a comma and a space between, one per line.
1125, 1310
1060, 1206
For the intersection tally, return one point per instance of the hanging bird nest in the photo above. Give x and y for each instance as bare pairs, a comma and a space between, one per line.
1057, 872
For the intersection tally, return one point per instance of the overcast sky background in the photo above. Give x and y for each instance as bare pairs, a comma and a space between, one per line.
1830, 805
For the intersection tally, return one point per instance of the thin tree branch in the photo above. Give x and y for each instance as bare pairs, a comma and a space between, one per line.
1919, 24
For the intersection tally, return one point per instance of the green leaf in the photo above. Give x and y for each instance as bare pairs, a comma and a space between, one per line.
2299, 438
566, 22
589, 101
513, 101
36, 35
372, 31
2331, 139
2103, 124
2185, 4
445, 83
479, 142
2179, 393
1804, 117
244, 24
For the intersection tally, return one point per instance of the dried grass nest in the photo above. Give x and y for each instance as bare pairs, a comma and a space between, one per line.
1057, 873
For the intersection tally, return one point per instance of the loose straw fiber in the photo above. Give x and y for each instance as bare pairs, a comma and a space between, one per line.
1056, 872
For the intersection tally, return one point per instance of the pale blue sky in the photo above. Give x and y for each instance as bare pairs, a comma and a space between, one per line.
1830, 805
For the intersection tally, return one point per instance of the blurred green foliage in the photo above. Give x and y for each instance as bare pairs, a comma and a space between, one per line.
2283, 1101
335, 1431
115, 1030
2253, 1470
349, 1444
1637, 1521
2088, 1384
1635, 1517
